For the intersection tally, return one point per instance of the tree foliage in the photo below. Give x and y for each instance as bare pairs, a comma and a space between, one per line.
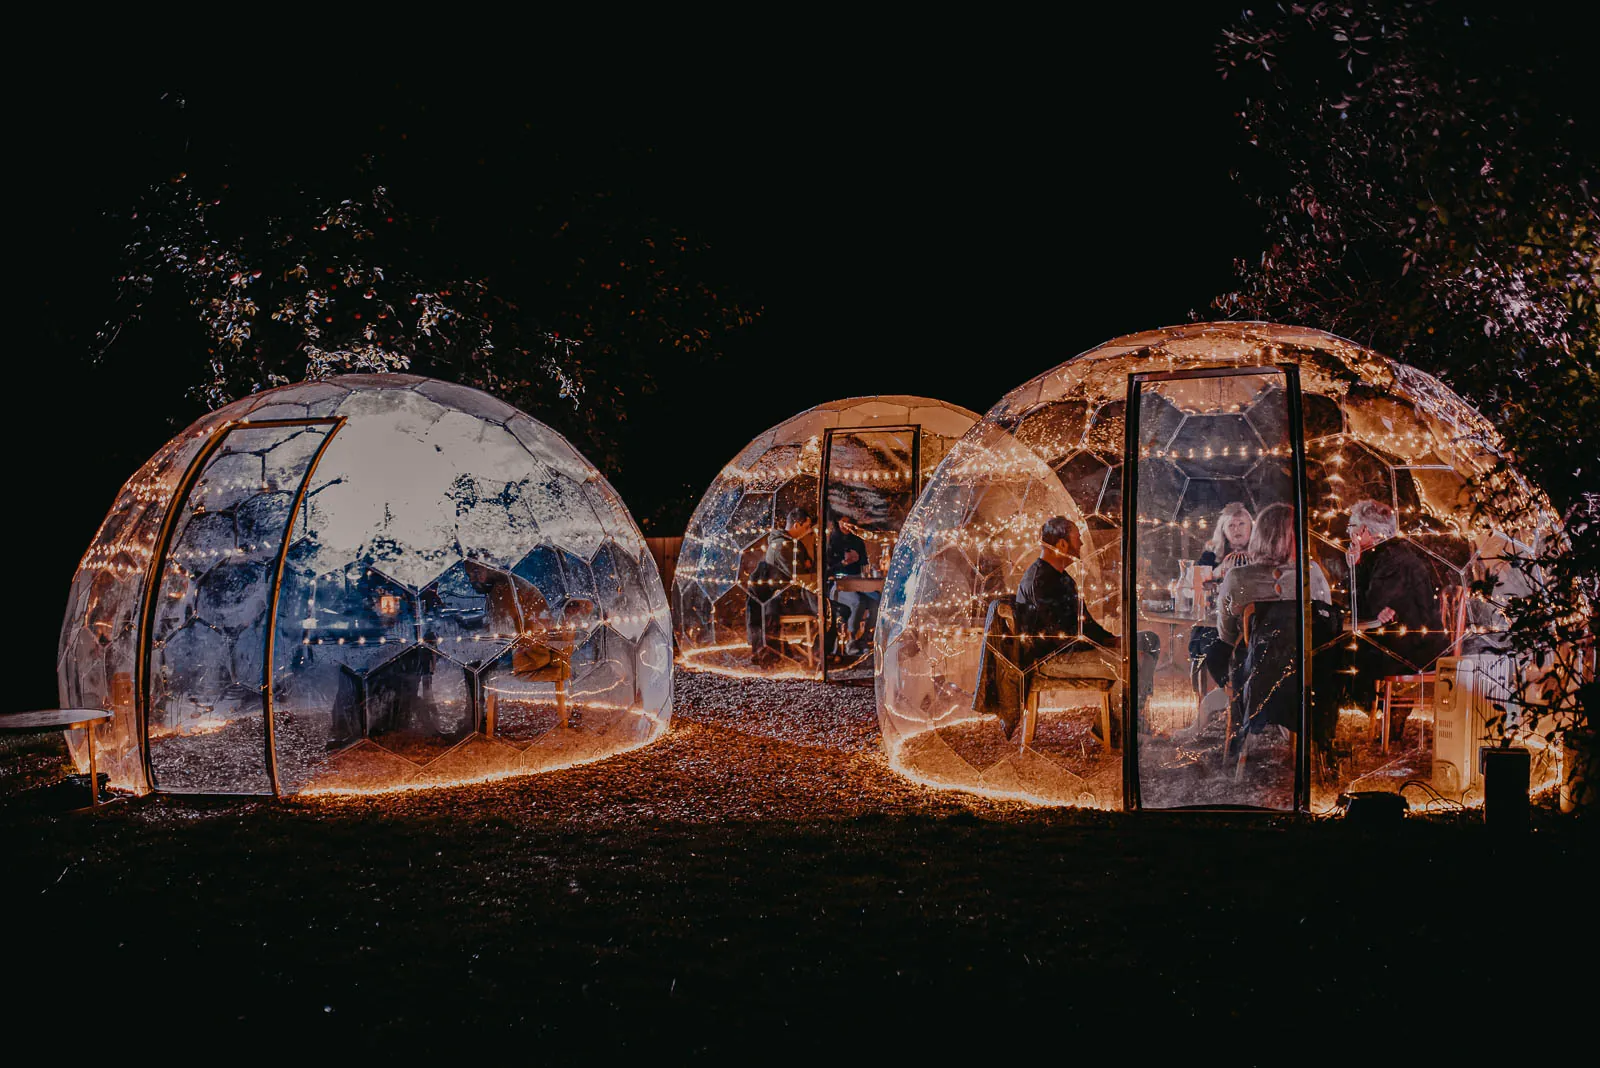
1426, 191
570, 311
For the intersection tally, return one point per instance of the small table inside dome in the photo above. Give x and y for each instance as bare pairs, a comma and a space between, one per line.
47, 720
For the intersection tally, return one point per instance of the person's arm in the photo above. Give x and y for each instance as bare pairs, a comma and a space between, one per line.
1385, 582
1227, 614
1083, 623
1095, 632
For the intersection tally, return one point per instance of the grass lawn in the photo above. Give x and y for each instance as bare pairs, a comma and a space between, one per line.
737, 894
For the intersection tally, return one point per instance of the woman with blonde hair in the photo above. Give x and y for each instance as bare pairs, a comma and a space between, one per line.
1270, 575
1230, 541
1227, 549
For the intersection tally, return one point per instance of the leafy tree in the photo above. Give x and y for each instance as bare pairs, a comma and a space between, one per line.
290, 278
1426, 190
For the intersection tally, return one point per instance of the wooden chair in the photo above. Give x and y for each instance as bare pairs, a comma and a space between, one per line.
546, 661
1236, 717
1390, 700
800, 630
1240, 716
1036, 684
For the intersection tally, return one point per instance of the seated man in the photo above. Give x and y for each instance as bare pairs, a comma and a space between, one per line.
1061, 639
787, 565
1395, 589
1047, 596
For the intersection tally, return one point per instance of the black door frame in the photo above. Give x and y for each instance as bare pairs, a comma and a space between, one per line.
823, 604
1131, 799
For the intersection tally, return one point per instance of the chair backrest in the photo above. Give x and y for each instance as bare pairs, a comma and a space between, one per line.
998, 624
1268, 641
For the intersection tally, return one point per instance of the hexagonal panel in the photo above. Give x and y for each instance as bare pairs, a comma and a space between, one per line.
419, 705
1320, 416
1354, 473
1216, 446
1270, 481
473, 606
565, 516
1086, 477
1160, 489
603, 671
1160, 420
622, 601
1053, 430
522, 683
752, 518
728, 617
560, 577
1107, 429
691, 611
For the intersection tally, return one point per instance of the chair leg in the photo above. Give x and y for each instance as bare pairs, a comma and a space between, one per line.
561, 700
1030, 718
1105, 716
1388, 710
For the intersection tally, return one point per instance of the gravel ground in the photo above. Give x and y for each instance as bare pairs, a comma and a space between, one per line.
841, 717
738, 749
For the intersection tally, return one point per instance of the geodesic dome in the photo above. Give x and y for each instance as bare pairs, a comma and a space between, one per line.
368, 582
740, 576
1213, 427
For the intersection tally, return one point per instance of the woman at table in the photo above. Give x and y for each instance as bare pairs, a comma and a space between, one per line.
1230, 542
1228, 548
847, 553
1269, 574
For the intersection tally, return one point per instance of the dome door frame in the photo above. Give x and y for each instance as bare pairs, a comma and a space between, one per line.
145, 645
824, 481
1131, 780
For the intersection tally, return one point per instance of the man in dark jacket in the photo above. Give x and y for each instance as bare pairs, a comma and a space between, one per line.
1048, 606
1396, 601
781, 584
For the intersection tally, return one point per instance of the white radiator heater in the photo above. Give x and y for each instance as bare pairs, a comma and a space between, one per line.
1464, 700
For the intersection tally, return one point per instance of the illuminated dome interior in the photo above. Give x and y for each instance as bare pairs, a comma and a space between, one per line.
744, 593
370, 582
1372, 428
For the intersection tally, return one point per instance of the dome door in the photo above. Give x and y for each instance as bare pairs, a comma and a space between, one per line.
1216, 552
871, 478
205, 640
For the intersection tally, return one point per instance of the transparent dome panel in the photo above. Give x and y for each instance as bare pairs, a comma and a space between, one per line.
779, 519
426, 532
1214, 453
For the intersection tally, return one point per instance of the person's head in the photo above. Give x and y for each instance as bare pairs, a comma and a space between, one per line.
1061, 539
796, 523
1272, 541
1371, 522
1232, 533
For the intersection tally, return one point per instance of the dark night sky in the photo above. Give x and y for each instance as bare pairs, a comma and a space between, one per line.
948, 219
